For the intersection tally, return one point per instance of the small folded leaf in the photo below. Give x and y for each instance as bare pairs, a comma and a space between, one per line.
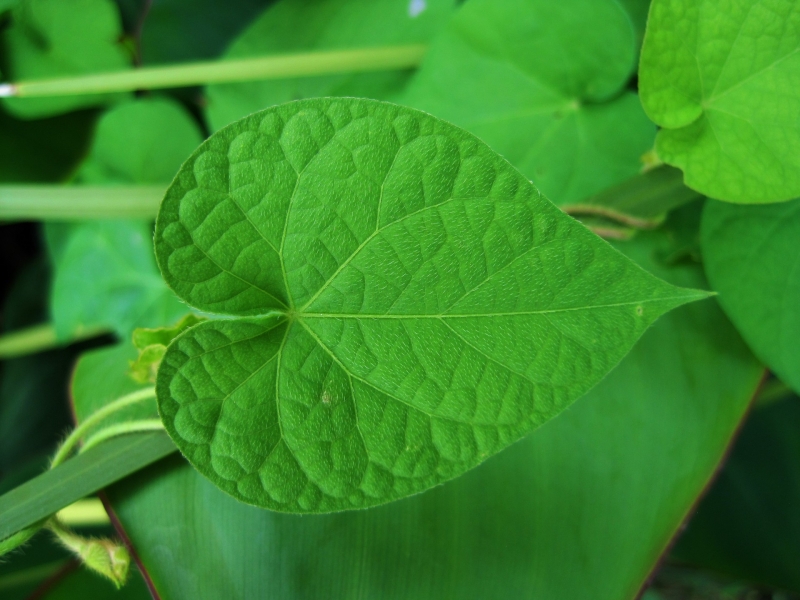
152, 344
407, 304
723, 80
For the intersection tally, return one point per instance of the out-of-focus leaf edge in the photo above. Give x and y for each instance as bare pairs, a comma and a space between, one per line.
664, 554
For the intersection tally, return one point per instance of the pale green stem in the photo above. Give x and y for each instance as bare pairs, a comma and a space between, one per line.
19, 538
61, 203
104, 556
74, 438
305, 64
40, 338
89, 511
122, 429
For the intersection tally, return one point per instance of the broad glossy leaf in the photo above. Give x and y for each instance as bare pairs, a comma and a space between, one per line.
748, 526
52, 38
542, 83
300, 26
105, 272
723, 80
751, 257
586, 503
408, 304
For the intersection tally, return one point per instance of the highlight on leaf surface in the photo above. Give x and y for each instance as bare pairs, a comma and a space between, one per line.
723, 80
403, 303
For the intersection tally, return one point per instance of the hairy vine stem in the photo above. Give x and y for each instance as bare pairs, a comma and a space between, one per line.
74, 438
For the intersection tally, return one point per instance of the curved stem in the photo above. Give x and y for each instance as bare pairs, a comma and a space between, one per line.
74, 438
19, 538
121, 429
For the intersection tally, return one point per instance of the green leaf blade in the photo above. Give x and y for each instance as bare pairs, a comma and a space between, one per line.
437, 306
750, 255
543, 84
721, 79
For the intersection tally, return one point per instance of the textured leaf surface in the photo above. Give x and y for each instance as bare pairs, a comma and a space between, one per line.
105, 274
304, 25
723, 80
748, 525
542, 83
51, 38
408, 304
752, 259
586, 503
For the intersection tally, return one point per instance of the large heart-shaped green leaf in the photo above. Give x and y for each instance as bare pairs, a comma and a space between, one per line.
752, 259
408, 304
723, 80
300, 26
52, 38
588, 502
542, 83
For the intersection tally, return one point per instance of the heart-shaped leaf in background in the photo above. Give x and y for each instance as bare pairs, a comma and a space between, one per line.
52, 38
105, 272
752, 259
723, 80
408, 304
588, 502
291, 26
543, 83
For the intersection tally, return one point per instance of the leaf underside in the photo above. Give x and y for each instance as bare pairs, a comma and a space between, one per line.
723, 80
406, 304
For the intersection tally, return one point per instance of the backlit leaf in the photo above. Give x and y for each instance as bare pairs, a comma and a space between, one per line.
723, 80
543, 83
407, 305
